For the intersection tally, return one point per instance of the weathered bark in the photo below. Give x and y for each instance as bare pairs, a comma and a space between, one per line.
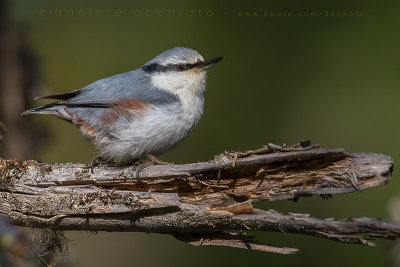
196, 202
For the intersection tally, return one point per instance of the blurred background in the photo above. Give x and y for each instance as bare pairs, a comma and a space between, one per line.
324, 71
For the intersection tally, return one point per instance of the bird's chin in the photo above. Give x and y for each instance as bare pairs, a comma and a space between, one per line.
200, 71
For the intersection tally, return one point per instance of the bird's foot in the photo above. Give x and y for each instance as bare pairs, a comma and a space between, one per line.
138, 164
155, 161
96, 162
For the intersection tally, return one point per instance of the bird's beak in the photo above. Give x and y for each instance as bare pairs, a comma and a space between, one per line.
213, 61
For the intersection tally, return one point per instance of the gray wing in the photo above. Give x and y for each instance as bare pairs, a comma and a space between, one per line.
129, 85
117, 94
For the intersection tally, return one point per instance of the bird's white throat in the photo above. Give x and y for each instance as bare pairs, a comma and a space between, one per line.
189, 86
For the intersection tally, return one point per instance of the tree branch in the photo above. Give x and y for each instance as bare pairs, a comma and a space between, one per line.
197, 202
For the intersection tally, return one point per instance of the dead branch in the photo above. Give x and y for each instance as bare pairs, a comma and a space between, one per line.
196, 202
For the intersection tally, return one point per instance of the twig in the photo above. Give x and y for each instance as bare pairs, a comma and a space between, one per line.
231, 240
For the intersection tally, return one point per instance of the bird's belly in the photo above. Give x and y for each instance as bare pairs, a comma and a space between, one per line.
154, 133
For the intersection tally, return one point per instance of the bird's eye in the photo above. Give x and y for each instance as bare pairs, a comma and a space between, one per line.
181, 67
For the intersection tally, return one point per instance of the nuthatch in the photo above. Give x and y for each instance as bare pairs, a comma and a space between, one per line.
139, 113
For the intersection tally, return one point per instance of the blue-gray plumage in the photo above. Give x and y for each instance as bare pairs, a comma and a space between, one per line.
142, 112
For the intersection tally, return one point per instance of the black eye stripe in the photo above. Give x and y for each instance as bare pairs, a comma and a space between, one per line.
183, 67
155, 67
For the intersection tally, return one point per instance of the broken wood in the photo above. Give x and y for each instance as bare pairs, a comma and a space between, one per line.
196, 202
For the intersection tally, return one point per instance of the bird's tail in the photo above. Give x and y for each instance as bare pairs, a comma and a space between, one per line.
47, 109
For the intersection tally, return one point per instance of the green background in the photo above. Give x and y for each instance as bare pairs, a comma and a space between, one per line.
331, 79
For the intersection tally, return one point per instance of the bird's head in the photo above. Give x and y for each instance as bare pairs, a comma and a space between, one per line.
180, 70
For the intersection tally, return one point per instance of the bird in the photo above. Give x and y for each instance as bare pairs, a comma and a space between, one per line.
141, 113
